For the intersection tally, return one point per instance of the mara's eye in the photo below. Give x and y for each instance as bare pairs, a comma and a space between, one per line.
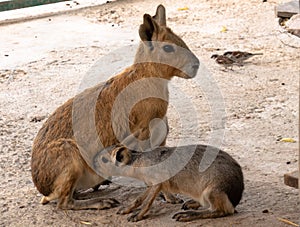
168, 48
104, 160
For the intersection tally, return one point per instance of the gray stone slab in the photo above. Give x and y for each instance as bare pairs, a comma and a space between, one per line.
288, 9
291, 179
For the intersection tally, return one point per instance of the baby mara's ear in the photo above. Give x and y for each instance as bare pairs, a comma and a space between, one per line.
121, 156
148, 28
160, 16
152, 25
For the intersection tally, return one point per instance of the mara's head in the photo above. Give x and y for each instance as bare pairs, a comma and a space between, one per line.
161, 46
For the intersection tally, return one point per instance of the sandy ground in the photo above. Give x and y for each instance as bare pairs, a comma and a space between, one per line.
44, 62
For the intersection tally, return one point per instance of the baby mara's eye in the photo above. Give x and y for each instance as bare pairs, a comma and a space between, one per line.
104, 160
168, 48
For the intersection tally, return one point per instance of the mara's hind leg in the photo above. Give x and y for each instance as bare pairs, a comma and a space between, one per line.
66, 172
95, 204
194, 215
66, 200
220, 206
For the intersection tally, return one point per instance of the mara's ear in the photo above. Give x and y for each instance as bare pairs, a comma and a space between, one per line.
148, 27
160, 15
122, 156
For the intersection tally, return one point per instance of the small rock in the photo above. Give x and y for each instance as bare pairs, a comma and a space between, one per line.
247, 116
259, 110
265, 211
37, 118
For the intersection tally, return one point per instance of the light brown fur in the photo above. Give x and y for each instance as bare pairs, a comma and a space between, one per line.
57, 165
217, 190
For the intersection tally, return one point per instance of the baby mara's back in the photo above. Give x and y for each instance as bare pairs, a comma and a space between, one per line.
224, 174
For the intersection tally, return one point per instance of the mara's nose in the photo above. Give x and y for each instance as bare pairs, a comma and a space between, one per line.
196, 65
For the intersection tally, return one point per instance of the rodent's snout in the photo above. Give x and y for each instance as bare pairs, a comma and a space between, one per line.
196, 66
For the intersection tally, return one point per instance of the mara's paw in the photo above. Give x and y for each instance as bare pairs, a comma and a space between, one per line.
175, 200
190, 205
124, 210
185, 216
44, 200
109, 203
170, 198
135, 217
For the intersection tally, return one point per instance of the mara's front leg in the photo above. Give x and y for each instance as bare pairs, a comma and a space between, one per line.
152, 193
146, 200
137, 202
147, 135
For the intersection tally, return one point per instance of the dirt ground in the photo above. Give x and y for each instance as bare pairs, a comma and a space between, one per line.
44, 62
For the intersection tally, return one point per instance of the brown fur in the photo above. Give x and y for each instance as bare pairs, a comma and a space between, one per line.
57, 165
218, 189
